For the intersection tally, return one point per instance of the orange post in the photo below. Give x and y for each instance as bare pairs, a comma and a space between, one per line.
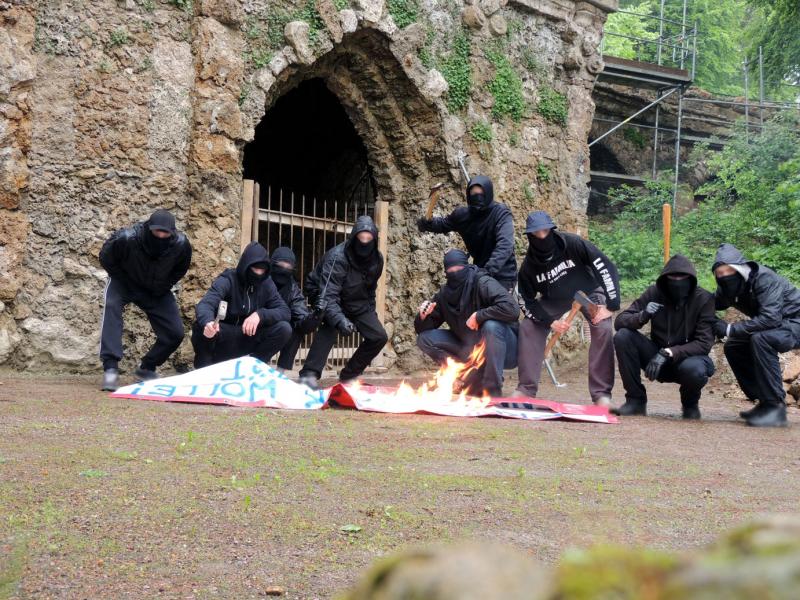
666, 218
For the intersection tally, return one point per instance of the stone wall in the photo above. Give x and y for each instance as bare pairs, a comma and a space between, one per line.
109, 109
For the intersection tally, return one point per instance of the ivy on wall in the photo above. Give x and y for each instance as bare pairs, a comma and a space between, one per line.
457, 71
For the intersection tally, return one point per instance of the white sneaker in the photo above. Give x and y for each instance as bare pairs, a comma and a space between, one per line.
602, 401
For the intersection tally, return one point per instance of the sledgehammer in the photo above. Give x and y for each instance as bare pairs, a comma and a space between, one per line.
222, 312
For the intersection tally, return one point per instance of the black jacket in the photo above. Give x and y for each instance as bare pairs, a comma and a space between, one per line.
768, 298
489, 300
125, 257
303, 320
576, 265
489, 236
243, 298
685, 330
351, 282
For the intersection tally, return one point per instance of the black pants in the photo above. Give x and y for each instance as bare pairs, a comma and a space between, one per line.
162, 312
754, 361
634, 351
289, 351
231, 342
374, 339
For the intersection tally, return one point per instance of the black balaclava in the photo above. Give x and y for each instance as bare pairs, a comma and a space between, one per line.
281, 275
363, 250
731, 285
161, 220
678, 290
477, 202
254, 279
453, 258
543, 248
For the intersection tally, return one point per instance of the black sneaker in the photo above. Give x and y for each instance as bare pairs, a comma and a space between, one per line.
143, 374
110, 380
773, 415
310, 380
747, 414
630, 409
691, 412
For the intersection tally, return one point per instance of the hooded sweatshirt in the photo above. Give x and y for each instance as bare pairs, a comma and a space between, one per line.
243, 296
488, 235
766, 297
288, 288
129, 256
685, 327
351, 279
575, 265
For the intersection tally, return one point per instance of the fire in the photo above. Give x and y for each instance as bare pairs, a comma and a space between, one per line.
447, 383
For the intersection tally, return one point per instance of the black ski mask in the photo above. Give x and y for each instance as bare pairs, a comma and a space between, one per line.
731, 285
455, 257
281, 275
543, 248
477, 202
252, 277
362, 249
155, 245
678, 290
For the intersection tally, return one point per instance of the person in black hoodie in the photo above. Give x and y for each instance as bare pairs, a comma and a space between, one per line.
681, 317
475, 307
304, 321
772, 304
487, 228
257, 319
556, 266
143, 262
344, 282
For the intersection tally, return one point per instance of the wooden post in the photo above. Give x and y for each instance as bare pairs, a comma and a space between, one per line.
382, 221
255, 205
666, 220
247, 212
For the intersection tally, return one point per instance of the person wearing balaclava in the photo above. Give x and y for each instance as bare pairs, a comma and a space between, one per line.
772, 305
303, 321
475, 307
487, 228
681, 318
143, 263
343, 284
257, 319
556, 266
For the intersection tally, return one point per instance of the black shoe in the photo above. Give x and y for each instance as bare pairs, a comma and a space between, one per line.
630, 409
691, 412
310, 380
143, 374
110, 380
747, 414
773, 415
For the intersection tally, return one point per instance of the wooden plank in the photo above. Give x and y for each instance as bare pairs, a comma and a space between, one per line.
247, 212
254, 208
382, 221
295, 220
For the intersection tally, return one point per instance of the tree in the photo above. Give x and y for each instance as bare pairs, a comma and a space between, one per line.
777, 31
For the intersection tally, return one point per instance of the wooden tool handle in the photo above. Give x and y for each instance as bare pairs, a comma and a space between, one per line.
666, 218
556, 335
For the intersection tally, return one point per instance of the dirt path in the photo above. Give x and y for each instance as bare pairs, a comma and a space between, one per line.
126, 499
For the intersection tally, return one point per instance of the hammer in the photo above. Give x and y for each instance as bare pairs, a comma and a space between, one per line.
222, 311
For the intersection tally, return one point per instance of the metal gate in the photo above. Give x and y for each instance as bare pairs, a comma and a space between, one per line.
311, 226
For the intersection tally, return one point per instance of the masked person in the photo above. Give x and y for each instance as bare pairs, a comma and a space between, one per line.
555, 267
304, 321
143, 262
475, 307
487, 228
345, 281
257, 318
752, 346
681, 317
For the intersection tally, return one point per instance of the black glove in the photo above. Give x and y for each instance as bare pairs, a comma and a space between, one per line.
424, 224
655, 365
720, 328
319, 308
346, 327
650, 311
310, 322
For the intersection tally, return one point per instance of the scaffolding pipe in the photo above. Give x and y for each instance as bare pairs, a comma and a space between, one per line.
683, 32
760, 86
746, 101
660, 32
653, 103
655, 137
642, 125
677, 150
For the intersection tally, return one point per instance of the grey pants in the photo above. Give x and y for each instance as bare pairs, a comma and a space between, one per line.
533, 339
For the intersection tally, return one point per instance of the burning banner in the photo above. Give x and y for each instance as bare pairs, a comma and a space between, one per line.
247, 381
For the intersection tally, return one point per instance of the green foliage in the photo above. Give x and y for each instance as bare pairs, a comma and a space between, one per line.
481, 131
553, 106
753, 201
148, 5
542, 173
119, 37
506, 87
184, 5
260, 57
513, 139
532, 63
527, 191
404, 12
775, 28
457, 71
634, 136
341, 4
425, 53
633, 26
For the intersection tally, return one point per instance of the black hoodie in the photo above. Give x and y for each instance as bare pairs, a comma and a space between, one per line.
243, 298
576, 265
686, 330
767, 298
351, 280
488, 236
125, 256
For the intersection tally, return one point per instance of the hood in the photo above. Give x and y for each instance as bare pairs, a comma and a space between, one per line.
485, 183
283, 254
363, 223
253, 253
561, 245
677, 265
728, 254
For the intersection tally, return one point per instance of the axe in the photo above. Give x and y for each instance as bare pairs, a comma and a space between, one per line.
433, 198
